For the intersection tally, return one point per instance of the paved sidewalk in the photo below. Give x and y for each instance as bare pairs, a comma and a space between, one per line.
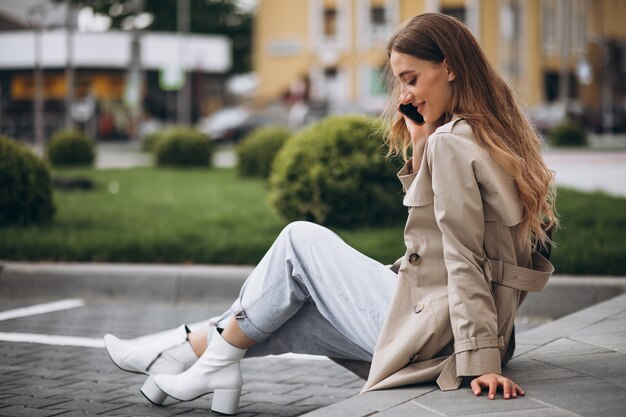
575, 366
44, 379
572, 366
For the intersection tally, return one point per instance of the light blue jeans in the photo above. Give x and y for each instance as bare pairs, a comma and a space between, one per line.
312, 293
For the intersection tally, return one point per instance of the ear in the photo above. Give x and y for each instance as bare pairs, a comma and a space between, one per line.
449, 72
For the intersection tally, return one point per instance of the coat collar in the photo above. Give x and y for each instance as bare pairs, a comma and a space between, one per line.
447, 127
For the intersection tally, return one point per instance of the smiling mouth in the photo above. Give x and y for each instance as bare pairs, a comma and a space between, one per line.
420, 107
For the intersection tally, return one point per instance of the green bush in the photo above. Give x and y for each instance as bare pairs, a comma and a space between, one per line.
568, 134
151, 141
70, 148
25, 189
335, 172
257, 151
184, 147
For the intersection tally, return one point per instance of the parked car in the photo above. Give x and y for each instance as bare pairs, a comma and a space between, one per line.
233, 123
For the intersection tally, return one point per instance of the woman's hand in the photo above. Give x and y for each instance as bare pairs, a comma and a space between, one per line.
493, 381
419, 134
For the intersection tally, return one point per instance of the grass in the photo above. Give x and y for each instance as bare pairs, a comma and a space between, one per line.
165, 215
592, 235
215, 217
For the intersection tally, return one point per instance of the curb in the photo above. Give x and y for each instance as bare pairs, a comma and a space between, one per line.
174, 284
567, 294
170, 284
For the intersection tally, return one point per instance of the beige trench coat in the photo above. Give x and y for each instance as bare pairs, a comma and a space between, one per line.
464, 273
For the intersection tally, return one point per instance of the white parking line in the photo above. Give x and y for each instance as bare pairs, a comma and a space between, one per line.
48, 339
41, 308
98, 342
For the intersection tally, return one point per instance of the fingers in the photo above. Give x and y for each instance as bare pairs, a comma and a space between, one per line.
492, 381
507, 388
493, 387
477, 386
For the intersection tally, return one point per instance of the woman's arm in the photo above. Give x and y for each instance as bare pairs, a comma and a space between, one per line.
419, 134
455, 168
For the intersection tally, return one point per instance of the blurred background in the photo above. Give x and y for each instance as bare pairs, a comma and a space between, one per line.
153, 119
120, 70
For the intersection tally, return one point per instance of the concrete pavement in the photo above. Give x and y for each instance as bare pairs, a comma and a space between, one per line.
575, 366
52, 362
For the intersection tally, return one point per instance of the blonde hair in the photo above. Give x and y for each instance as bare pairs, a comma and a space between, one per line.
483, 99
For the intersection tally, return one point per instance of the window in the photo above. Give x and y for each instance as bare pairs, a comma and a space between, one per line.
458, 12
552, 86
332, 85
376, 83
378, 20
549, 26
330, 22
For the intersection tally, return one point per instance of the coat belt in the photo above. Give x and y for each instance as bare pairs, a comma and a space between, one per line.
525, 279
474, 343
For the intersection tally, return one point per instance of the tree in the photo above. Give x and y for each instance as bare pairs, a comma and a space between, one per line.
222, 17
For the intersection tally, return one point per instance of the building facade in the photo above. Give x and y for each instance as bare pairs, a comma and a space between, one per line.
120, 81
568, 55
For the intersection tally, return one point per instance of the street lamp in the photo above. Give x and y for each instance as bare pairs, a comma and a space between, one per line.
36, 17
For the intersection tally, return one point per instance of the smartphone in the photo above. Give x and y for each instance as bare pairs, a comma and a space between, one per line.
411, 112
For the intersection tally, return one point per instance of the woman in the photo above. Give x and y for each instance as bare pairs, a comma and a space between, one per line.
478, 196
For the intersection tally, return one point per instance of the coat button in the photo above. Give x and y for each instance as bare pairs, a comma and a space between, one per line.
418, 308
415, 259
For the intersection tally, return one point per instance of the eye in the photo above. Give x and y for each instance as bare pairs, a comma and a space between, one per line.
412, 81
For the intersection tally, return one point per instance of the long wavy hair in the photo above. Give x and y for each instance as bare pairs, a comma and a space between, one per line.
483, 99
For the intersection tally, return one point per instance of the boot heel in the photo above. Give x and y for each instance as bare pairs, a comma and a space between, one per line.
152, 392
226, 401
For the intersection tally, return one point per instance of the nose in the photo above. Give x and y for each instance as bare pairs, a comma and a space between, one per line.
406, 97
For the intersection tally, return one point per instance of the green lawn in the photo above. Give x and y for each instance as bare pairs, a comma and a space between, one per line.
213, 216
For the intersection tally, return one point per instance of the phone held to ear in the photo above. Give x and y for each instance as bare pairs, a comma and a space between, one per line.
411, 112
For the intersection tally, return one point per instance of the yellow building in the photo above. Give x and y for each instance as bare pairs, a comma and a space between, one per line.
544, 48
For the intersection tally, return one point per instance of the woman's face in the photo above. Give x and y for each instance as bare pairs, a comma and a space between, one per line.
424, 84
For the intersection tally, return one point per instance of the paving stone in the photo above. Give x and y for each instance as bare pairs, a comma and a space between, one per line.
565, 347
277, 409
91, 407
575, 322
535, 412
613, 341
578, 375
32, 401
584, 396
463, 401
609, 366
23, 411
372, 402
526, 371
408, 409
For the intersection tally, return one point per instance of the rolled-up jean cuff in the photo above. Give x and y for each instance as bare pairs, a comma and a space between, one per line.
245, 324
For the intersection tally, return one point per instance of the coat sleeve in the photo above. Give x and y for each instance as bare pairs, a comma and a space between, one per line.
459, 213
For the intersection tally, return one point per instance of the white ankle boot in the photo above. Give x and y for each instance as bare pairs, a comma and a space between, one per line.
216, 371
171, 353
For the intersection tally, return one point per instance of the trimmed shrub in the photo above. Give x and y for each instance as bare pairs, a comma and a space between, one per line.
568, 134
70, 148
25, 190
151, 141
335, 173
184, 147
257, 151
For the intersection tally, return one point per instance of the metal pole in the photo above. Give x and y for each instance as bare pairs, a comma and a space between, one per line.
564, 79
36, 16
39, 133
135, 76
69, 65
184, 94
607, 90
